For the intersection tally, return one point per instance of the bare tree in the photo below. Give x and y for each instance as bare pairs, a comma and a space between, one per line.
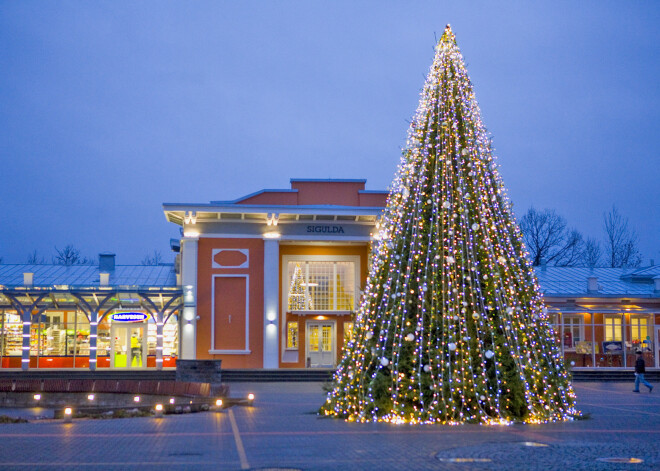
621, 242
34, 258
549, 239
69, 255
153, 259
593, 253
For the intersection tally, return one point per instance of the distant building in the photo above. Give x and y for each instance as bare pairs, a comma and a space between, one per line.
272, 280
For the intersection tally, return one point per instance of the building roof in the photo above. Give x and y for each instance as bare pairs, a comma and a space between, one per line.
554, 281
146, 276
309, 197
573, 281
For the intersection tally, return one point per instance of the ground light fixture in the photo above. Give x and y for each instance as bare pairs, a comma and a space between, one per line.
90, 397
68, 415
159, 410
171, 400
37, 397
218, 404
250, 398
136, 398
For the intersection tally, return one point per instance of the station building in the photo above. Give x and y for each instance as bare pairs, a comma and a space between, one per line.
273, 280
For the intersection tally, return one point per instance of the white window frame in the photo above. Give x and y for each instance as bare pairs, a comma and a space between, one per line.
564, 325
635, 327
285, 284
606, 318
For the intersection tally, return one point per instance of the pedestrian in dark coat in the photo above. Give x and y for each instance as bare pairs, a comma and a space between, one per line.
640, 369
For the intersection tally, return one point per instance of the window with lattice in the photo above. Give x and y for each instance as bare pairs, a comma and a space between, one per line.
321, 286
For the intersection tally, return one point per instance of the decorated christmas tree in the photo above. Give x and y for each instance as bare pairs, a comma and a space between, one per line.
298, 298
452, 326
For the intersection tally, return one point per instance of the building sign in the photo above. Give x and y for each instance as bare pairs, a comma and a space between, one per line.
129, 317
325, 229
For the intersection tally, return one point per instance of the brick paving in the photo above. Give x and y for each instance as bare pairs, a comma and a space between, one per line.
282, 431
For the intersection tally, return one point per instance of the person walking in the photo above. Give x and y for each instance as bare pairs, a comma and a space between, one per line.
640, 369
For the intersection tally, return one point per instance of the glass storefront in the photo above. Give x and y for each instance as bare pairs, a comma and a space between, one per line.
606, 340
61, 339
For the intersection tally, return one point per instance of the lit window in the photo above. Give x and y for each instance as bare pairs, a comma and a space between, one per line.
612, 328
314, 338
326, 338
321, 286
292, 334
348, 332
639, 331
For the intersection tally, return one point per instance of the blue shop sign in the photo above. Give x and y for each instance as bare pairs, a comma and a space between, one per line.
129, 317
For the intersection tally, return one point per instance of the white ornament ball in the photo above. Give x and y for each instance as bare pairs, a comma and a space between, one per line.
384, 361
419, 328
482, 397
451, 346
464, 152
428, 201
410, 337
490, 354
572, 363
437, 257
369, 335
509, 310
501, 259
475, 316
446, 204
427, 368
475, 226
450, 259
351, 374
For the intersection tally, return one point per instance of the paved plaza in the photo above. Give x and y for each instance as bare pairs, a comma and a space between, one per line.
283, 431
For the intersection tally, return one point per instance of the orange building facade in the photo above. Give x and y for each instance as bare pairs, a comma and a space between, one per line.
272, 280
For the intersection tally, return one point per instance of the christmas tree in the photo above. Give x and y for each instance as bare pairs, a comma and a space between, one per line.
298, 298
452, 326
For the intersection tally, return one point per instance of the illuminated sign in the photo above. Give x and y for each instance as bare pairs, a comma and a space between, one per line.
129, 317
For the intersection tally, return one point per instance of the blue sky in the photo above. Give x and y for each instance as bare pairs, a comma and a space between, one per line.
108, 109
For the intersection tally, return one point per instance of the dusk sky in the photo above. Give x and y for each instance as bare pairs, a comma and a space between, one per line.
109, 109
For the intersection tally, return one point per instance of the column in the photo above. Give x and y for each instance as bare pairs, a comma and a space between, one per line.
159, 340
271, 301
188, 323
25, 350
93, 334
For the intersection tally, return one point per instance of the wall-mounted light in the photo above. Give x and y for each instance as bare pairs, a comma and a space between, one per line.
191, 234
272, 219
272, 235
190, 217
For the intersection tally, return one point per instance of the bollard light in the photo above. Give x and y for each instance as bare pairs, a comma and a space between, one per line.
90, 397
68, 415
159, 410
171, 400
218, 404
136, 398
250, 398
37, 397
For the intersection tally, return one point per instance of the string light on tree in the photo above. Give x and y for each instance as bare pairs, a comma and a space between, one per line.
452, 326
